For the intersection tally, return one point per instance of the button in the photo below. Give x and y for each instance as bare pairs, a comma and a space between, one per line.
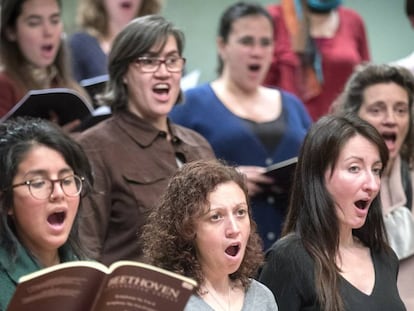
270, 199
162, 134
271, 236
269, 161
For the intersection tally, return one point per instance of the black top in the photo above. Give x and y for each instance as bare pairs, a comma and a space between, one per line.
288, 273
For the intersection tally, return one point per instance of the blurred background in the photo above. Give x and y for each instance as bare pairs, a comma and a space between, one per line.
389, 32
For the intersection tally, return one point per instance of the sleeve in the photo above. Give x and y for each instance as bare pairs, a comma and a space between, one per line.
75, 53
363, 48
96, 207
9, 96
288, 276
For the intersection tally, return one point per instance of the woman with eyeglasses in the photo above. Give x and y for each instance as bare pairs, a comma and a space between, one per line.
137, 150
44, 173
247, 124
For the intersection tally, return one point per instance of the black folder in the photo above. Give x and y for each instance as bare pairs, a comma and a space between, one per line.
66, 104
282, 174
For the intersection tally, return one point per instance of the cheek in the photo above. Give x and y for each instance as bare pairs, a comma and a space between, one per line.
405, 127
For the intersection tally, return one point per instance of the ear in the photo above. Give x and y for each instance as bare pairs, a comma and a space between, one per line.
10, 211
220, 46
11, 34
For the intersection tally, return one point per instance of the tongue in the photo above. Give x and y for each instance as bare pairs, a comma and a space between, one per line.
231, 250
56, 218
161, 95
390, 144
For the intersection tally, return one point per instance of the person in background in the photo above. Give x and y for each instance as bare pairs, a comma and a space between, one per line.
135, 152
44, 173
248, 125
100, 21
33, 54
408, 61
383, 95
334, 253
203, 229
317, 45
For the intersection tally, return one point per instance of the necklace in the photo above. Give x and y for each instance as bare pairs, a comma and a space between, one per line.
219, 302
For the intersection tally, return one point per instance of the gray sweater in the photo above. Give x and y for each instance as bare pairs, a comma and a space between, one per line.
258, 297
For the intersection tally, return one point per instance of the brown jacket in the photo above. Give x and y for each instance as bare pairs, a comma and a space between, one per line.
132, 163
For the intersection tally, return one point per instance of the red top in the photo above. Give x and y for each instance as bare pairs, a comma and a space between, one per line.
340, 54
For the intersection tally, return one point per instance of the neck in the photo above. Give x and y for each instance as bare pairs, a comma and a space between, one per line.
49, 259
227, 85
348, 240
218, 293
323, 25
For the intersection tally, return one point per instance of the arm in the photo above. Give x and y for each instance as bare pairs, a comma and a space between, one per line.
96, 207
9, 94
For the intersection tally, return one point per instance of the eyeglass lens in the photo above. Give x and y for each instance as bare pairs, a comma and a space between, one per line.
43, 188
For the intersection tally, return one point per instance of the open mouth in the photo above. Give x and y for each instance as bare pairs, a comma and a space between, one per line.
254, 68
233, 250
56, 218
47, 47
361, 204
161, 89
391, 137
126, 5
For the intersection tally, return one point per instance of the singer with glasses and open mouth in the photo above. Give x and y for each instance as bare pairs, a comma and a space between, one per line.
44, 175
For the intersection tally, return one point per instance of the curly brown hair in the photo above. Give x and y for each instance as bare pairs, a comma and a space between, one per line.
169, 235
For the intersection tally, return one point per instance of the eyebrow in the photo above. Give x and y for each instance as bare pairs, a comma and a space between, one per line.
45, 172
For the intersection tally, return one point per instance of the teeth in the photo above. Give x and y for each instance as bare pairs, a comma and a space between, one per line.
161, 87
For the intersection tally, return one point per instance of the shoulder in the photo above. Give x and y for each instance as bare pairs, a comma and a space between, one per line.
289, 99
81, 37
288, 252
189, 136
196, 303
261, 295
348, 13
5, 80
387, 257
198, 92
195, 101
100, 134
8, 288
275, 10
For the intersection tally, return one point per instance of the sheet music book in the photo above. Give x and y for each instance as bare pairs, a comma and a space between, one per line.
282, 174
91, 286
65, 104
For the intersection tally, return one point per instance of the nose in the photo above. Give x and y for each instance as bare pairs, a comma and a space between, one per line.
372, 182
389, 117
47, 30
232, 228
57, 191
257, 48
162, 70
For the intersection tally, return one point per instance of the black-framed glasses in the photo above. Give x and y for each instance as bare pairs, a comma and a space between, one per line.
41, 188
152, 64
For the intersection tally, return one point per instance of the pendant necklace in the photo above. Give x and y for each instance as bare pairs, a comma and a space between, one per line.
217, 300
